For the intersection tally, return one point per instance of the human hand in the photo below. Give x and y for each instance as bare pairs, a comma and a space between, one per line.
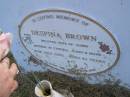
7, 72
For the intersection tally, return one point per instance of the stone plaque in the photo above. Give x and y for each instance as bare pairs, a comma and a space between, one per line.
69, 42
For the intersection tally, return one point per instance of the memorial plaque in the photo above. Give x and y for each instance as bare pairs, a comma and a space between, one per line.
69, 42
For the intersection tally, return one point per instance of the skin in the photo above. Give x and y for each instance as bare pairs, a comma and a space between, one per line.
7, 76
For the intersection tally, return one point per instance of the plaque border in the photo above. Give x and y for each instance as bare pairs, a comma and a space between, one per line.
79, 15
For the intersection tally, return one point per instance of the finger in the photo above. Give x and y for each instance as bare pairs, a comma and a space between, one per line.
2, 51
13, 69
5, 62
15, 85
